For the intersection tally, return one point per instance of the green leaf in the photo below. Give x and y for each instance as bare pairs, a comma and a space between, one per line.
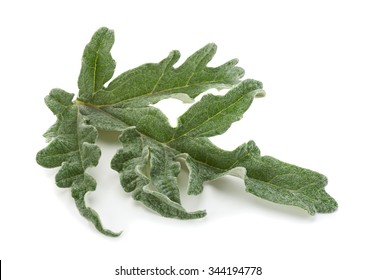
149, 161
149, 169
150, 82
97, 64
288, 184
72, 147
213, 115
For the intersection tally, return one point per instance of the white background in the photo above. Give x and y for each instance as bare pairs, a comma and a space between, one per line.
316, 60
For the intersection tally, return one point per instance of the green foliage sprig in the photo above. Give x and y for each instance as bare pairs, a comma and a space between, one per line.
149, 161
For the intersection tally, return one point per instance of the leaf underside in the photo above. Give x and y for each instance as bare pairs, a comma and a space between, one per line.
150, 159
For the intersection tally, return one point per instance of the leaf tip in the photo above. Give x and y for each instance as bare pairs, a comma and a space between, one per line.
211, 46
210, 50
111, 233
329, 205
105, 31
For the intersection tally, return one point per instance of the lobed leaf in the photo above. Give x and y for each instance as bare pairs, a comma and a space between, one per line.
150, 82
72, 148
98, 65
288, 184
148, 169
213, 115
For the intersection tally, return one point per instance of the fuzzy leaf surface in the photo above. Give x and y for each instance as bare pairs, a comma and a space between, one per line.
148, 169
149, 161
72, 148
163, 146
124, 103
265, 176
151, 82
98, 65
